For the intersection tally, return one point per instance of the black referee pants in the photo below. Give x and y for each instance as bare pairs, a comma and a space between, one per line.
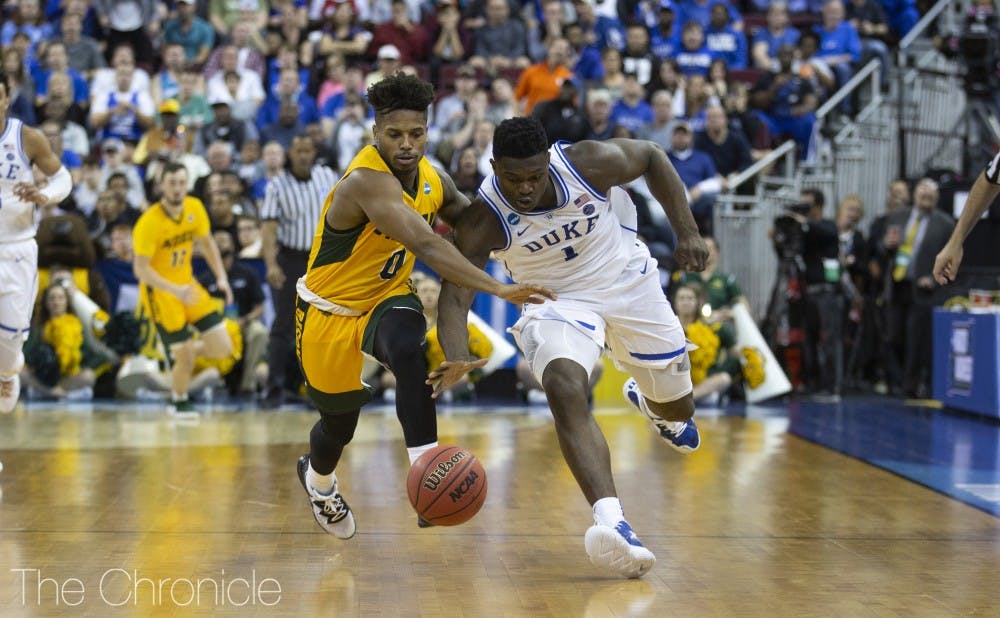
283, 367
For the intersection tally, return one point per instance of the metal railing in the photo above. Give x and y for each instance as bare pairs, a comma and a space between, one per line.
905, 133
741, 223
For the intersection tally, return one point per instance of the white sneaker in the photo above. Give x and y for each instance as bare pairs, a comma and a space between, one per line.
618, 549
10, 390
331, 511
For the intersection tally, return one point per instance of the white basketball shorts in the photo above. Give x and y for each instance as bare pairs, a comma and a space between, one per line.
18, 286
632, 319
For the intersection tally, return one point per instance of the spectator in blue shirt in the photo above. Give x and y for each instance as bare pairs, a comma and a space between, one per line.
694, 57
902, 14
52, 131
724, 41
56, 61
599, 30
29, 20
701, 10
786, 101
698, 173
632, 111
588, 58
839, 43
869, 20
189, 31
768, 39
288, 89
665, 37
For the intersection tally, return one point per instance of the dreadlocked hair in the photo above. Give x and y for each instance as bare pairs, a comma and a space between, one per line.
400, 91
519, 138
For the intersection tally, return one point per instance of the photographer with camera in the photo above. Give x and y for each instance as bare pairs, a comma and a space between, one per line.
813, 243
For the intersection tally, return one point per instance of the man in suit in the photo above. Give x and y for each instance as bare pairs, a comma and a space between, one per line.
912, 239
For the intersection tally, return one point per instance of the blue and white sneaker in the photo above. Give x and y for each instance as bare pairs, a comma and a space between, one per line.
686, 439
331, 511
618, 549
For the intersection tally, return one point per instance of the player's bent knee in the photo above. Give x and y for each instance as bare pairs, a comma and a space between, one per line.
183, 353
218, 343
338, 427
565, 380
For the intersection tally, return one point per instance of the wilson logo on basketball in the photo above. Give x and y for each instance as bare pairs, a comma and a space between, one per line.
463, 487
438, 474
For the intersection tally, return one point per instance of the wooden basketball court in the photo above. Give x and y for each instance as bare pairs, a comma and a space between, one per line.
122, 507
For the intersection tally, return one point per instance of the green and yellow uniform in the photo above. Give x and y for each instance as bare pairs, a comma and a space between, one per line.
169, 242
354, 277
720, 290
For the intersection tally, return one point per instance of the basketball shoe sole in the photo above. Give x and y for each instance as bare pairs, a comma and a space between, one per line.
618, 549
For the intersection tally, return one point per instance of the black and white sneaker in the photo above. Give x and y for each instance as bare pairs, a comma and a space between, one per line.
330, 510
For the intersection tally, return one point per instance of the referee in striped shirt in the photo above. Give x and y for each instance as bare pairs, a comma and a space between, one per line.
293, 203
983, 193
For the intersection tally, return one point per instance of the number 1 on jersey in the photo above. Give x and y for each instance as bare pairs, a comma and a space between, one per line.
570, 253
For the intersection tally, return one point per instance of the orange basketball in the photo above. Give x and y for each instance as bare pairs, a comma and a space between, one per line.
446, 485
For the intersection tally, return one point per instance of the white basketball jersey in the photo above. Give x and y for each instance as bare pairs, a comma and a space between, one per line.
578, 246
17, 216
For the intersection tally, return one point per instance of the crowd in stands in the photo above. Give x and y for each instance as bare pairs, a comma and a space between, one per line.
224, 87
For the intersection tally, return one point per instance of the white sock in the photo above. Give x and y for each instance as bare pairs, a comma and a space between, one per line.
416, 451
323, 483
608, 511
175, 397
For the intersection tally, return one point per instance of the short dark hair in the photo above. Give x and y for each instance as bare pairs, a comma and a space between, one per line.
817, 196
170, 168
398, 92
519, 138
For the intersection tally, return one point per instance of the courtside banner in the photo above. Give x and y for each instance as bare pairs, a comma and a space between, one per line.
762, 374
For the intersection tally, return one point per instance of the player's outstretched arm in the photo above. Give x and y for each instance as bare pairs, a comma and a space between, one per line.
619, 161
476, 235
377, 195
60, 183
950, 258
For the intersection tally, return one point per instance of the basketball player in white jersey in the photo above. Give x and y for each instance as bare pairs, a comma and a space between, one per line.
558, 216
20, 148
